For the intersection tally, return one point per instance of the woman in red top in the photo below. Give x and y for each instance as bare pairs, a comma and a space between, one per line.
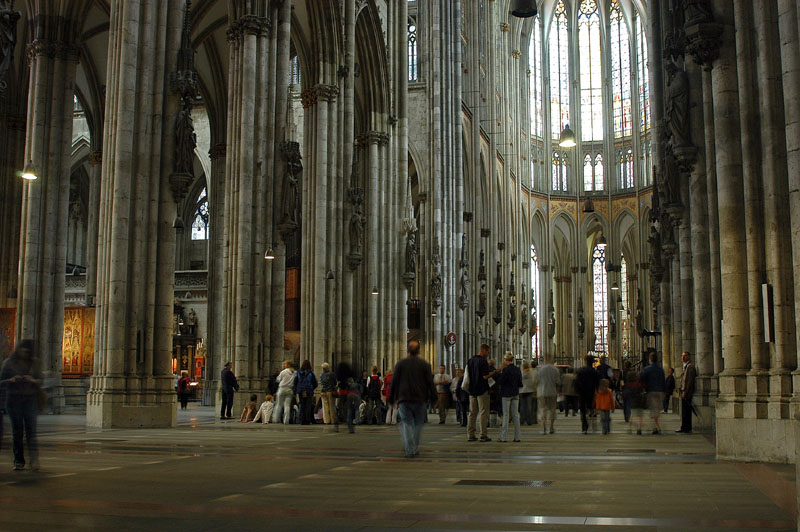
391, 414
184, 389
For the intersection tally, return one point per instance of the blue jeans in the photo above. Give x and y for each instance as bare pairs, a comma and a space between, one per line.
510, 408
22, 410
605, 420
412, 418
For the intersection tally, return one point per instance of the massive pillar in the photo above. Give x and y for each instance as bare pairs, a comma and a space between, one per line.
132, 385
54, 56
93, 229
216, 272
248, 184
777, 240
790, 65
733, 238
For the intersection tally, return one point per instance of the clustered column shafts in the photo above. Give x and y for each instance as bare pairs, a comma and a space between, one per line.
53, 57
216, 268
132, 384
12, 148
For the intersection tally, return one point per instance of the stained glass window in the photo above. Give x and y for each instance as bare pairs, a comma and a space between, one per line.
621, 73
535, 304
559, 172
559, 70
200, 224
535, 67
600, 291
588, 171
624, 307
642, 73
295, 76
413, 52
599, 177
591, 71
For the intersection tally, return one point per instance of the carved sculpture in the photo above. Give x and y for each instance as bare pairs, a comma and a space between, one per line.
411, 253
498, 279
523, 312
481, 312
696, 12
191, 323
8, 39
290, 201
534, 321
581, 319
498, 307
357, 222
677, 105
482, 267
464, 259
463, 299
185, 141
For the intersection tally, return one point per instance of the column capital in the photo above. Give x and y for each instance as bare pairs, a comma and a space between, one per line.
376, 137
327, 93
516, 54
53, 49
308, 97
248, 25
218, 151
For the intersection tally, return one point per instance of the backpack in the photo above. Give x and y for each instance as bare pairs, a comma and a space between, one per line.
374, 387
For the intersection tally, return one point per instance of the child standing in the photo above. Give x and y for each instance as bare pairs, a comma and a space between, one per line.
604, 403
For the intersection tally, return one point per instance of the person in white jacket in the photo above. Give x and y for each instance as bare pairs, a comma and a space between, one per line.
265, 410
286, 386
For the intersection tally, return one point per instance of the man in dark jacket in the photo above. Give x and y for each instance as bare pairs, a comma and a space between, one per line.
654, 386
462, 398
229, 384
670, 389
412, 389
688, 377
509, 382
478, 372
587, 381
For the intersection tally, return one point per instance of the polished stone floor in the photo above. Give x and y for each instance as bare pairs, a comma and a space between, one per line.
212, 475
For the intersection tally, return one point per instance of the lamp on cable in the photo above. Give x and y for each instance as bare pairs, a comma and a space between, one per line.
269, 254
614, 286
29, 172
588, 206
602, 243
567, 139
523, 8
374, 290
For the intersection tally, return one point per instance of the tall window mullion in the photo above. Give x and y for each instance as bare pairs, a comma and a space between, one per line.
591, 75
413, 52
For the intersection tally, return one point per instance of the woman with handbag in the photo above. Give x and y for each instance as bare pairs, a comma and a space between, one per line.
20, 379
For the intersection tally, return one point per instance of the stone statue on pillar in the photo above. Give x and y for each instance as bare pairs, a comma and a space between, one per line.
696, 12
411, 253
482, 297
463, 298
498, 280
191, 323
464, 258
8, 39
551, 322
523, 311
677, 105
291, 198
482, 267
436, 280
185, 141
581, 319
498, 307
534, 321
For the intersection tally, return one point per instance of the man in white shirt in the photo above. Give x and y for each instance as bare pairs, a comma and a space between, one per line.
442, 381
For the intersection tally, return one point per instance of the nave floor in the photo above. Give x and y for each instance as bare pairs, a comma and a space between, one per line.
208, 475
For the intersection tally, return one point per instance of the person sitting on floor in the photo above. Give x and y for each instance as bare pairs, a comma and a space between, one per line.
265, 410
249, 410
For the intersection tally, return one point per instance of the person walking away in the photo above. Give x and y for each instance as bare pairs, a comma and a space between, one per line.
633, 396
442, 382
229, 384
462, 398
264, 412
604, 371
604, 404
20, 378
412, 388
534, 398
454, 394
287, 380
478, 375
327, 384
349, 396
587, 381
670, 389
306, 384
509, 383
374, 388
568, 390
626, 404
391, 412
183, 389
547, 381
526, 395
654, 384
688, 377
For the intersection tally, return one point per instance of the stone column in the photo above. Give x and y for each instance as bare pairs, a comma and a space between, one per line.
132, 385
12, 147
733, 238
696, 199
790, 65
216, 272
95, 161
757, 377
54, 56
713, 226
777, 240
